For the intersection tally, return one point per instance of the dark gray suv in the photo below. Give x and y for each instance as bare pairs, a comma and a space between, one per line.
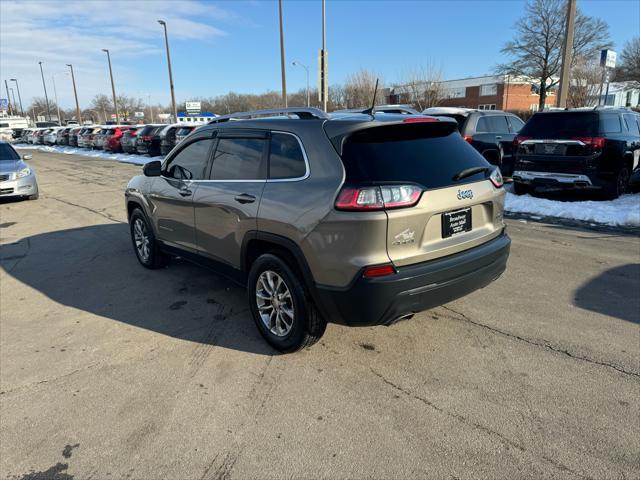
355, 218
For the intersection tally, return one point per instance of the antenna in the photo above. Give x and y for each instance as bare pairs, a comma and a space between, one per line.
369, 111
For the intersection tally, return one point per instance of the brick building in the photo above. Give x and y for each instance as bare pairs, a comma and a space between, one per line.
495, 92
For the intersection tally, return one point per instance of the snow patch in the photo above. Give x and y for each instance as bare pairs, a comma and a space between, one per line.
623, 211
118, 157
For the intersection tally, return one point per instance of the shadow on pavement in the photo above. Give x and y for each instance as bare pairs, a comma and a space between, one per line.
615, 292
94, 269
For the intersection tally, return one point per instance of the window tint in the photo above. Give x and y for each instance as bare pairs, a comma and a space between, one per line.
8, 153
428, 155
461, 119
191, 162
632, 124
286, 159
492, 124
483, 125
561, 125
516, 124
610, 123
239, 159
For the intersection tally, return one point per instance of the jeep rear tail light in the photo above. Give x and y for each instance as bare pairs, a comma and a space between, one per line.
378, 197
596, 142
146, 137
379, 271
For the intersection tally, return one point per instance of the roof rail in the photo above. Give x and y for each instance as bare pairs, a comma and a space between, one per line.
301, 112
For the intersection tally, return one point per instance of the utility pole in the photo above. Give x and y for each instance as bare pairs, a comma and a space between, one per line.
151, 108
173, 96
75, 94
55, 92
46, 98
567, 50
113, 87
282, 67
8, 99
323, 87
19, 98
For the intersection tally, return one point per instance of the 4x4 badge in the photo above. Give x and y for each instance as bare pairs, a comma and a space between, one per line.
462, 194
404, 237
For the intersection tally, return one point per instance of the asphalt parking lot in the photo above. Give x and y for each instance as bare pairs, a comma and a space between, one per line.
110, 371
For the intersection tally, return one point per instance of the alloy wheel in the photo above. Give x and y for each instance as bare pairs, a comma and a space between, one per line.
275, 304
141, 239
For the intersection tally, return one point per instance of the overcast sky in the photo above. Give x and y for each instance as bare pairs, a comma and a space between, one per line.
219, 46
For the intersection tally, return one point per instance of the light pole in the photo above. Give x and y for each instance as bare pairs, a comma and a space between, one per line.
296, 63
324, 88
55, 93
75, 94
282, 67
113, 87
173, 95
46, 98
11, 110
151, 107
19, 98
13, 96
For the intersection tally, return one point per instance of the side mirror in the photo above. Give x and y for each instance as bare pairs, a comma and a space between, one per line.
27, 157
152, 169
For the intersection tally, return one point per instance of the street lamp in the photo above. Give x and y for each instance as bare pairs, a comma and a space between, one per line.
55, 92
46, 98
113, 87
19, 98
173, 96
75, 93
296, 63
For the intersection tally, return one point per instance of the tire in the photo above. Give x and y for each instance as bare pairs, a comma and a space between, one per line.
150, 257
294, 314
522, 189
619, 186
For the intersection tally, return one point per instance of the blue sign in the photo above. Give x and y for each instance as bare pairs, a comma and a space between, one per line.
203, 114
4, 103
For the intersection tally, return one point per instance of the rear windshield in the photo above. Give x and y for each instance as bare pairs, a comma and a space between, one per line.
8, 153
429, 155
147, 130
461, 119
561, 125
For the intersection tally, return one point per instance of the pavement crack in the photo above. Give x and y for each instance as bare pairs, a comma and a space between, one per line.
471, 423
52, 379
92, 210
536, 343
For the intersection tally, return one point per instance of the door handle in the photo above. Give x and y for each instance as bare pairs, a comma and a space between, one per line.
245, 198
185, 192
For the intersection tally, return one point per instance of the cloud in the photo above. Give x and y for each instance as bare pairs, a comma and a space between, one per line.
75, 32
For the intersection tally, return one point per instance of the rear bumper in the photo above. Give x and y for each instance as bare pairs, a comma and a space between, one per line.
553, 179
381, 301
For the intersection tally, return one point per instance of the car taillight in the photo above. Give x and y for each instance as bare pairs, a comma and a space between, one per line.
146, 137
519, 139
379, 271
496, 178
420, 120
468, 138
377, 197
596, 142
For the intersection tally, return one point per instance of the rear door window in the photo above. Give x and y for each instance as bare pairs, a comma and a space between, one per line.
515, 123
239, 159
286, 159
483, 125
427, 154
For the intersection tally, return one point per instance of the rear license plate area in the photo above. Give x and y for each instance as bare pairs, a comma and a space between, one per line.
456, 222
550, 149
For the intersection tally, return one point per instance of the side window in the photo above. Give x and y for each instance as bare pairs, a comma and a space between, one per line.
191, 161
286, 159
499, 124
516, 124
610, 123
483, 125
239, 159
632, 124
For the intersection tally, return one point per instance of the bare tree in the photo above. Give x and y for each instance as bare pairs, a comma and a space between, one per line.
422, 86
102, 105
359, 88
536, 49
128, 105
39, 107
629, 65
585, 83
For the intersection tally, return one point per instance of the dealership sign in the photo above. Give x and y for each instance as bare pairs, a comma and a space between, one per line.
608, 58
138, 114
193, 107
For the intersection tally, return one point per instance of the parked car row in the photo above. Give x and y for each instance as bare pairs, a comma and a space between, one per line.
152, 139
584, 148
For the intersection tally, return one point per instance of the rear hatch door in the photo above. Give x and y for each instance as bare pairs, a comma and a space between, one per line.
452, 214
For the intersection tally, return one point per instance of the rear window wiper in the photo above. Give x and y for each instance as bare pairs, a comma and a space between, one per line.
467, 172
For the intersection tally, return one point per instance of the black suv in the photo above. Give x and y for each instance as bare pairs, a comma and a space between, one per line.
148, 140
587, 149
490, 132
